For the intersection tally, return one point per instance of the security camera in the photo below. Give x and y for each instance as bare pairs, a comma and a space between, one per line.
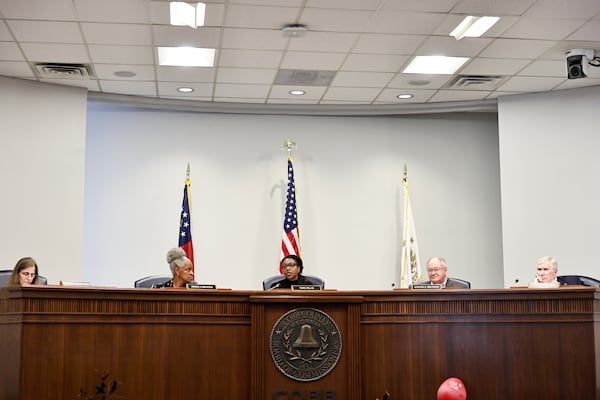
578, 61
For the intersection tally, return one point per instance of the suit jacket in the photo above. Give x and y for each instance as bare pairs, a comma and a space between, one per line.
450, 284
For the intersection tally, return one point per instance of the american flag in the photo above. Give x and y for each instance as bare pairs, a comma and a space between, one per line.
290, 243
185, 227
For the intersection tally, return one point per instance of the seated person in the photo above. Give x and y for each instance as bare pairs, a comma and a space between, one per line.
545, 277
437, 270
292, 268
25, 273
181, 268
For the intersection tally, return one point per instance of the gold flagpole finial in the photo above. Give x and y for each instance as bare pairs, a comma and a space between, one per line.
187, 173
289, 145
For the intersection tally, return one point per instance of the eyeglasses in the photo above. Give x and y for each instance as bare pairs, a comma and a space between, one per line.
28, 274
437, 269
289, 266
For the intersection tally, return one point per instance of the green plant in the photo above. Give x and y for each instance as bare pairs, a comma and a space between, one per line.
105, 390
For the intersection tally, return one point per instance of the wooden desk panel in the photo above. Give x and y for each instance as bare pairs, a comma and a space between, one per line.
169, 344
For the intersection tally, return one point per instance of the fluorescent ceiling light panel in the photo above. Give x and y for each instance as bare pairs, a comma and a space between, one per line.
441, 65
184, 14
473, 26
186, 56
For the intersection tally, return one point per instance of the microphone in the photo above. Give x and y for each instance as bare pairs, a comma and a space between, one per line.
275, 286
517, 280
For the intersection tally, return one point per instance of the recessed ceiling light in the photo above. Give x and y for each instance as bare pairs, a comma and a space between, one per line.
184, 14
435, 65
185, 89
125, 74
405, 96
473, 26
186, 56
297, 92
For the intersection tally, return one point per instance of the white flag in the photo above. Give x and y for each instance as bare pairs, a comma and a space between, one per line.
411, 265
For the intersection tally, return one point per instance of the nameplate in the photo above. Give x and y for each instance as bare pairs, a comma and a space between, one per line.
306, 287
426, 287
200, 286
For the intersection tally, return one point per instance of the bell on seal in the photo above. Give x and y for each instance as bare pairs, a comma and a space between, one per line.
306, 338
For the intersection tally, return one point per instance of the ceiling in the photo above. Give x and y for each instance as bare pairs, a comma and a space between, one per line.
367, 43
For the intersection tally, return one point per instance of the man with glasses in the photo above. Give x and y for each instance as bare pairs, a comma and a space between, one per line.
292, 270
437, 271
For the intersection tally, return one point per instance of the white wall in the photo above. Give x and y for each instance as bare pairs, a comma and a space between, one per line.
550, 192
348, 182
42, 150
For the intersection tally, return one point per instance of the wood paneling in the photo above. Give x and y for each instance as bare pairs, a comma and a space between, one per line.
171, 344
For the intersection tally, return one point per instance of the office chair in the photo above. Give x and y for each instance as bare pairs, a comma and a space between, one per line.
462, 281
149, 281
578, 280
272, 279
6, 273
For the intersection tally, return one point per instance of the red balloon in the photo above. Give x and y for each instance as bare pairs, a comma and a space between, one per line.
452, 389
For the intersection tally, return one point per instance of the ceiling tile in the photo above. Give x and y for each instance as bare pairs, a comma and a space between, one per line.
122, 54
576, 83
117, 34
362, 79
18, 69
249, 58
245, 91
542, 28
290, 3
306, 60
170, 89
335, 20
406, 23
419, 81
107, 71
493, 8
128, 87
246, 75
449, 46
10, 52
458, 95
564, 9
4, 32
89, 84
282, 92
588, 31
368, 5
372, 43
351, 94
291, 101
437, 6
255, 39
128, 11
419, 96
185, 74
514, 48
530, 84
374, 63
242, 16
545, 68
38, 9
323, 41
183, 36
54, 52
494, 66
46, 31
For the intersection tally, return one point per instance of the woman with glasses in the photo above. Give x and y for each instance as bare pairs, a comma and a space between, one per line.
25, 273
292, 267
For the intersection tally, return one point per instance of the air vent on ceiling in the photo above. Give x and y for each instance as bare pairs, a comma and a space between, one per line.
475, 82
304, 77
64, 71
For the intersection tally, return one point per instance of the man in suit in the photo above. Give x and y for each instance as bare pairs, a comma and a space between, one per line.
437, 271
